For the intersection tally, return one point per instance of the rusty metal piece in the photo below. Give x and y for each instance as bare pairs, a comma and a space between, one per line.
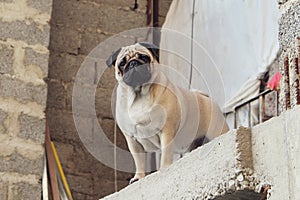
298, 45
287, 94
296, 84
262, 109
277, 102
297, 64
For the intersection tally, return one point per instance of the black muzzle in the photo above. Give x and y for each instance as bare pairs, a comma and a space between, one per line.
137, 73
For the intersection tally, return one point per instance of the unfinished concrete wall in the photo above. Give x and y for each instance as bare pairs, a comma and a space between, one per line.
276, 154
24, 39
289, 40
238, 165
76, 28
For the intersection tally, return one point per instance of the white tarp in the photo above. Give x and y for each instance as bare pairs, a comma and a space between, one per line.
234, 41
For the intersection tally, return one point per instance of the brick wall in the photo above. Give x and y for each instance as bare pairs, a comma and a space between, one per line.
289, 31
76, 28
24, 39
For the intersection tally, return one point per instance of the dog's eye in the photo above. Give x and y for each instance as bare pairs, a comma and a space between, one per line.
144, 58
122, 63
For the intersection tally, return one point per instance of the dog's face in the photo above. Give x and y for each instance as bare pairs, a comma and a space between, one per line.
133, 64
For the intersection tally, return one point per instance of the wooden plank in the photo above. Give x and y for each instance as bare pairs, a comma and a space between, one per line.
61, 172
51, 165
45, 181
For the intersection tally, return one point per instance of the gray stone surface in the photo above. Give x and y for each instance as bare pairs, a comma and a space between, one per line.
6, 59
62, 127
23, 92
26, 191
24, 38
121, 3
32, 128
33, 57
31, 33
3, 190
3, 116
66, 40
41, 5
19, 164
64, 66
57, 95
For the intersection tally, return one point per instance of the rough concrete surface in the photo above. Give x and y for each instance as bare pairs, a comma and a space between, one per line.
289, 31
276, 148
221, 167
237, 165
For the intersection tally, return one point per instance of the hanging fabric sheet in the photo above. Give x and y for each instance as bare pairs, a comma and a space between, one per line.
226, 43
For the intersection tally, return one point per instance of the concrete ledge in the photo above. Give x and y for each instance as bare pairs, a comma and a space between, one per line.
236, 165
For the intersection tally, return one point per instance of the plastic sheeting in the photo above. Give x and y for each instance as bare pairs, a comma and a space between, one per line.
220, 45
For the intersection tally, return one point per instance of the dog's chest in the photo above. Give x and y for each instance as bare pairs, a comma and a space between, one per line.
140, 118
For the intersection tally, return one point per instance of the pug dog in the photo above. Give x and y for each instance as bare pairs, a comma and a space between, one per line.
156, 115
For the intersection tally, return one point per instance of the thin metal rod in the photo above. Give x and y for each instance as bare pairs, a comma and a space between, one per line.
115, 157
277, 102
259, 109
254, 98
262, 114
249, 114
155, 20
235, 119
155, 13
192, 46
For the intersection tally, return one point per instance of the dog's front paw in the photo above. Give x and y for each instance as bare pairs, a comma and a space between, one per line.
133, 180
136, 178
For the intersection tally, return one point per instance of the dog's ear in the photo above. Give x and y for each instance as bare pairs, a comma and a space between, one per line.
111, 61
151, 47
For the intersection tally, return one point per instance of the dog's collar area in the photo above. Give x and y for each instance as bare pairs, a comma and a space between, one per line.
138, 89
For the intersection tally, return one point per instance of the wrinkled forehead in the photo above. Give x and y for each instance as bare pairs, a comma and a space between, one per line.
132, 50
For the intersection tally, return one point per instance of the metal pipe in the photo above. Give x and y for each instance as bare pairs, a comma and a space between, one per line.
249, 114
155, 13
254, 98
155, 22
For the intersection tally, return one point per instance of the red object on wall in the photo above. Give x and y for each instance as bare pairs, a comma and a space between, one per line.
274, 83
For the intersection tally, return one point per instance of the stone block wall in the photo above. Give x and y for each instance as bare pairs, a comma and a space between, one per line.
76, 28
24, 39
289, 40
